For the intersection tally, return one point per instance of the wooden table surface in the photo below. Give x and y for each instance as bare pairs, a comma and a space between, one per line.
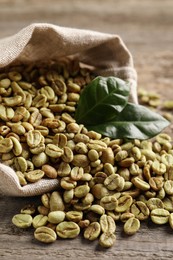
147, 29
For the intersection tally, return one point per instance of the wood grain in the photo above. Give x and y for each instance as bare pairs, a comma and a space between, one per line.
147, 29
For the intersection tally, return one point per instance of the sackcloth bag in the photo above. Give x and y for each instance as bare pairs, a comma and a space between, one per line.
38, 42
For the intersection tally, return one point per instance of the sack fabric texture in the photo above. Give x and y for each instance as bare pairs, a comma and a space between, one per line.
39, 42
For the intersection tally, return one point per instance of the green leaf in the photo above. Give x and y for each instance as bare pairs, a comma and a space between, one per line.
134, 122
101, 100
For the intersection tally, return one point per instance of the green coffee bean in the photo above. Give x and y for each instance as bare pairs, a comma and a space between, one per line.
115, 215
88, 199
81, 190
162, 137
99, 177
171, 220
99, 191
126, 215
80, 160
21, 178
109, 202
64, 169
5, 83
127, 162
140, 210
167, 159
49, 171
149, 154
53, 151
154, 203
107, 239
45, 235
169, 174
84, 223
124, 203
131, 226
92, 231
161, 194
14, 76
74, 216
28, 209
97, 145
125, 173
6, 145
127, 146
34, 176
67, 183
67, 229
107, 156
45, 199
81, 148
86, 177
160, 216
43, 210
93, 155
13, 101
136, 153
77, 173
156, 183
134, 169
158, 167
56, 202
68, 195
107, 224
33, 138
168, 186
127, 185
109, 169
56, 217
6, 113
20, 164
141, 184
17, 147
114, 182
67, 155
39, 221
22, 220
40, 159
97, 209
35, 120
168, 203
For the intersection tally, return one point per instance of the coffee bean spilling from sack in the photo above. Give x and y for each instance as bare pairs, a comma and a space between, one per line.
102, 181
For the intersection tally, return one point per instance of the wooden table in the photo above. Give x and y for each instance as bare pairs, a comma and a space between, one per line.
147, 29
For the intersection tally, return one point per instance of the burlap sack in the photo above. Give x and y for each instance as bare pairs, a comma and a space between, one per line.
43, 42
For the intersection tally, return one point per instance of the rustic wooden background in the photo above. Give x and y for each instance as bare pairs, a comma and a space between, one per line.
147, 29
